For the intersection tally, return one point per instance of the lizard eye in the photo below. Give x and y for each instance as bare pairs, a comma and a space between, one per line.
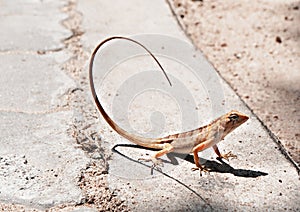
233, 117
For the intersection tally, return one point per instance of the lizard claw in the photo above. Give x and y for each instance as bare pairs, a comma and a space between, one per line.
228, 155
201, 169
156, 162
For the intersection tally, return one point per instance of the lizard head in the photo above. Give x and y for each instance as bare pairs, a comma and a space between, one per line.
233, 119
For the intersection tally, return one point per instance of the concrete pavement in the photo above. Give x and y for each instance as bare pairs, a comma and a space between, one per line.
38, 159
56, 149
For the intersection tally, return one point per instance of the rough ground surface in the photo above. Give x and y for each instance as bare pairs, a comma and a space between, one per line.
255, 45
48, 123
252, 182
85, 126
56, 151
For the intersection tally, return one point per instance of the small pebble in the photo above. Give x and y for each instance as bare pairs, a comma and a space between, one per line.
238, 55
278, 39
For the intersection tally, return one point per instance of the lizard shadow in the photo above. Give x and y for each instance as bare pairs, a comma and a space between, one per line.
212, 166
114, 149
223, 167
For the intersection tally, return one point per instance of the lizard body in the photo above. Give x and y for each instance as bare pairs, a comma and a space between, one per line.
193, 141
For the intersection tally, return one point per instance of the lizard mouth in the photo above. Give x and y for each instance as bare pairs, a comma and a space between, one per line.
244, 118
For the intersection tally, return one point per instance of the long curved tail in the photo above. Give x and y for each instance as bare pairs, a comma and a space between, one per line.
146, 142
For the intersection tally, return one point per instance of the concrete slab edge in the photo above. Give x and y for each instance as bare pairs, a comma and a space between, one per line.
271, 134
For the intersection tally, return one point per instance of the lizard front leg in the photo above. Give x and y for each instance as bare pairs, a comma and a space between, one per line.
226, 156
197, 149
166, 148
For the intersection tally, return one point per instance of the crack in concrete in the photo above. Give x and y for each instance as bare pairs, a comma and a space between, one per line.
54, 110
30, 52
85, 126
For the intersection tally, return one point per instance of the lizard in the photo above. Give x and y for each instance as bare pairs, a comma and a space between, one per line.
192, 141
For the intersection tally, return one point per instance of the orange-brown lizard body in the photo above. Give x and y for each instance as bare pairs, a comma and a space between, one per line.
193, 141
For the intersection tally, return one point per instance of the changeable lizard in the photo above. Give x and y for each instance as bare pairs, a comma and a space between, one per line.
193, 141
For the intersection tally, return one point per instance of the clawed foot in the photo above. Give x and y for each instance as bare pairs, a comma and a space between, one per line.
201, 169
155, 162
228, 155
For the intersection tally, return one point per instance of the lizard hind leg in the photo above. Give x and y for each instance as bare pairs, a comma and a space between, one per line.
155, 158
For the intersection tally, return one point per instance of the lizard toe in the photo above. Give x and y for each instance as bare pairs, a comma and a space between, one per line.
155, 161
201, 170
228, 155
